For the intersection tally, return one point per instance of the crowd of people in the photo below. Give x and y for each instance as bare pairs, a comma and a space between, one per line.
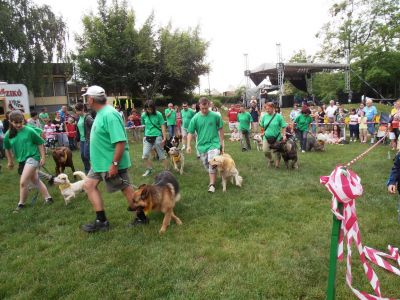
101, 133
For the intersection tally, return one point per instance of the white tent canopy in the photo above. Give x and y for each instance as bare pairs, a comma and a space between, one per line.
265, 83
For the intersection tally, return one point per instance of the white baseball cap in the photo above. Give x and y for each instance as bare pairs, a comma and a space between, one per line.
95, 90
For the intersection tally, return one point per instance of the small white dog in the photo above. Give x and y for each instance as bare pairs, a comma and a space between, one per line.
177, 158
258, 141
68, 189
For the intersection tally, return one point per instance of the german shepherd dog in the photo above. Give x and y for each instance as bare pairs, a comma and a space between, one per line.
160, 196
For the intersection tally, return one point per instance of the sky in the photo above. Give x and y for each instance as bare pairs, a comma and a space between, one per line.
233, 28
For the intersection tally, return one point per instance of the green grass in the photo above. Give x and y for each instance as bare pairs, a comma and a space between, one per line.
268, 240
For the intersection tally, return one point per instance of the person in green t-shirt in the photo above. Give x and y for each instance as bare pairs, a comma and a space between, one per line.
27, 146
155, 136
84, 126
274, 130
109, 154
43, 116
170, 115
210, 137
187, 115
303, 123
245, 120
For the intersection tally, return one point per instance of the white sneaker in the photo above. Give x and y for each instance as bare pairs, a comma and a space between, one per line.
147, 173
211, 188
302, 151
183, 147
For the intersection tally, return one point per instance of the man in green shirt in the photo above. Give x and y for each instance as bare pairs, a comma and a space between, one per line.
109, 158
245, 120
274, 130
187, 115
170, 115
210, 137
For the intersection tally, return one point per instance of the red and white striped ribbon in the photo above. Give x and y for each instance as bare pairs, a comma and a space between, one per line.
345, 186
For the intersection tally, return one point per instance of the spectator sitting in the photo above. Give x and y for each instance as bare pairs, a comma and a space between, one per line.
235, 137
334, 136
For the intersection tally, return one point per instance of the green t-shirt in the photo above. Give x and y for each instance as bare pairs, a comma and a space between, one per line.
206, 127
303, 121
274, 128
81, 128
152, 123
25, 144
107, 129
187, 116
43, 117
171, 120
244, 120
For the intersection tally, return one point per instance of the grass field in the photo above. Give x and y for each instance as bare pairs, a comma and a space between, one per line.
267, 240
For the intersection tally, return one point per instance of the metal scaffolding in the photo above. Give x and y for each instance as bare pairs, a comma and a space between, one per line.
280, 68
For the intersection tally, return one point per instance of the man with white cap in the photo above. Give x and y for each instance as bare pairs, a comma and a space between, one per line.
109, 157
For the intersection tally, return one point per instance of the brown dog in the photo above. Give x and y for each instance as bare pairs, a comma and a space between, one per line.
160, 196
63, 158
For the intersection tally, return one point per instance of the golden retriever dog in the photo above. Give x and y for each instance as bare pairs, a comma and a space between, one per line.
69, 190
227, 168
257, 138
177, 159
160, 196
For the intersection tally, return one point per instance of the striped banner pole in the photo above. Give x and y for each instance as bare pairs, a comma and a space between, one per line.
336, 225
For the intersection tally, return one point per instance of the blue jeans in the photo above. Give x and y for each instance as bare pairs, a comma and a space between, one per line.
303, 139
371, 128
85, 155
171, 130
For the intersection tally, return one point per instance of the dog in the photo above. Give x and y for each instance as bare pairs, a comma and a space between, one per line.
313, 143
68, 189
171, 142
160, 196
177, 159
258, 141
63, 158
227, 169
289, 153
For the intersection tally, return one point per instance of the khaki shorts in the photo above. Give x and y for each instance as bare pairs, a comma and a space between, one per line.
269, 153
206, 157
184, 131
116, 183
233, 125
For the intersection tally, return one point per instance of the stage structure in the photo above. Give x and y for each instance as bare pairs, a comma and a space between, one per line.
299, 74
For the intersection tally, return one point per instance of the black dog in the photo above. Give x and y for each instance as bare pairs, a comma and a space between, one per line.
289, 152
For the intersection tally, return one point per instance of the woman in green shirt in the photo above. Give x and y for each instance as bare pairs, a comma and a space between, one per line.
303, 122
27, 146
155, 135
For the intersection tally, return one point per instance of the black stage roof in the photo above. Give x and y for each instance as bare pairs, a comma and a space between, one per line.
294, 72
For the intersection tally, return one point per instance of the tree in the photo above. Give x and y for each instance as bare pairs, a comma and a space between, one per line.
363, 29
30, 36
147, 61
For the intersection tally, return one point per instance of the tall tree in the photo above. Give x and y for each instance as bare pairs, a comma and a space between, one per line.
363, 29
146, 61
31, 36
